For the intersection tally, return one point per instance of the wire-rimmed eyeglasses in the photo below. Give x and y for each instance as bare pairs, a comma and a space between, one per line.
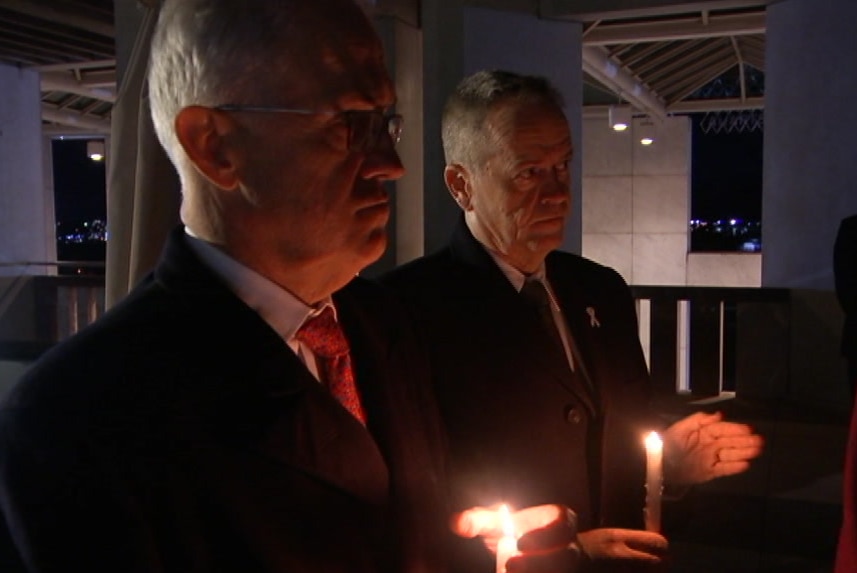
365, 126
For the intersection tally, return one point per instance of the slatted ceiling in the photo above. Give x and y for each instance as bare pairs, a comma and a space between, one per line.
59, 34
691, 85
670, 55
753, 50
682, 61
696, 76
700, 64
51, 41
105, 77
664, 53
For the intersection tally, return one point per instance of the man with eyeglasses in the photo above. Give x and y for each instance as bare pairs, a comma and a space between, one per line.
251, 405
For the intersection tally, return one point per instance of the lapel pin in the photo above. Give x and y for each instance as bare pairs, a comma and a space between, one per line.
593, 320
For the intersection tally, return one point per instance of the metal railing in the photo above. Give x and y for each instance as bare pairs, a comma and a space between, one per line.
756, 342
709, 340
37, 311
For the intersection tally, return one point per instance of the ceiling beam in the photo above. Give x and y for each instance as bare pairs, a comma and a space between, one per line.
589, 10
688, 106
740, 68
53, 130
678, 29
598, 64
89, 65
76, 120
59, 16
704, 105
64, 82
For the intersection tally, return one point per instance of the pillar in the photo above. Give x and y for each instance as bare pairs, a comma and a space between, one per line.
27, 225
810, 175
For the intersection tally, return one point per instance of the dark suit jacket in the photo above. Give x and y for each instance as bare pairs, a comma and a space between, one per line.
521, 430
180, 433
845, 276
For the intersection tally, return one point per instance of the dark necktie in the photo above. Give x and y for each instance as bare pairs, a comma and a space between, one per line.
323, 335
536, 295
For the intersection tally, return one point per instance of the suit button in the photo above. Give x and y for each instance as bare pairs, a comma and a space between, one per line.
573, 415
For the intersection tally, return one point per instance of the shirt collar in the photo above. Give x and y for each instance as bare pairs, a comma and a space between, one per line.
516, 277
282, 310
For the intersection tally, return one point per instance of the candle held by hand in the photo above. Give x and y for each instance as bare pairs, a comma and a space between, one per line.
654, 481
507, 546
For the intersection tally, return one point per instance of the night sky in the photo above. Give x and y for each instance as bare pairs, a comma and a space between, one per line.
79, 184
726, 175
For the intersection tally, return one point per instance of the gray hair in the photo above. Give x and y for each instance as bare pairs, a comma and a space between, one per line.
463, 123
212, 52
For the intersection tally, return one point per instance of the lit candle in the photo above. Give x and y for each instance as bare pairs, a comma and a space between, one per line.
654, 481
507, 546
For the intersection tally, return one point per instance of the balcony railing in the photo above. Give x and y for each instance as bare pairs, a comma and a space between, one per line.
761, 343
37, 311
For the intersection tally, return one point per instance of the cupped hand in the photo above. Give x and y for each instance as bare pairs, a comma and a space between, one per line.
629, 545
702, 447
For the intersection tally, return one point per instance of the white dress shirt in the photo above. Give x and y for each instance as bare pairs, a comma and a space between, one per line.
282, 310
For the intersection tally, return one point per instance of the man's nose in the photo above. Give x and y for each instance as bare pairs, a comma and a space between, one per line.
555, 189
383, 162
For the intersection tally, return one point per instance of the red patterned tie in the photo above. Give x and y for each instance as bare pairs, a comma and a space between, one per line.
324, 337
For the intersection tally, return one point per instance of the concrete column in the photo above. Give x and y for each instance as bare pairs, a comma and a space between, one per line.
403, 52
810, 172
27, 226
443, 67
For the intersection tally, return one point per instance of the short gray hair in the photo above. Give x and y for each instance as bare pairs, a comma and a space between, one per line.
211, 52
465, 112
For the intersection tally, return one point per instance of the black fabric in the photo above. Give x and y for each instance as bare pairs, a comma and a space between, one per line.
522, 428
536, 295
179, 433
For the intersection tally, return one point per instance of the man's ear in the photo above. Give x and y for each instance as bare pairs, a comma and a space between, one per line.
202, 133
457, 181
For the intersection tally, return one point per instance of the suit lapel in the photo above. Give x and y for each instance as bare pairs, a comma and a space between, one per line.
575, 304
256, 394
311, 431
492, 289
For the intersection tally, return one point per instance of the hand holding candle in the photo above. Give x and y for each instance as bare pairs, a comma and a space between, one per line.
543, 537
654, 481
507, 546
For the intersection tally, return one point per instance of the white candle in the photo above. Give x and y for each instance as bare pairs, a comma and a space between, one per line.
507, 546
654, 481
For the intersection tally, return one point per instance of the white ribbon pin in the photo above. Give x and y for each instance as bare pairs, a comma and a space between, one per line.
593, 320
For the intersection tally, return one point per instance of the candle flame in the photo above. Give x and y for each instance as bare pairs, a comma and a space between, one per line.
506, 521
654, 442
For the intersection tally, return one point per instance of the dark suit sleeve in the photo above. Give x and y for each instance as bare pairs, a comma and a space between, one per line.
64, 506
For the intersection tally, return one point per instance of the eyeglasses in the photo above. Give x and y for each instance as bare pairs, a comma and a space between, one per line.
365, 127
